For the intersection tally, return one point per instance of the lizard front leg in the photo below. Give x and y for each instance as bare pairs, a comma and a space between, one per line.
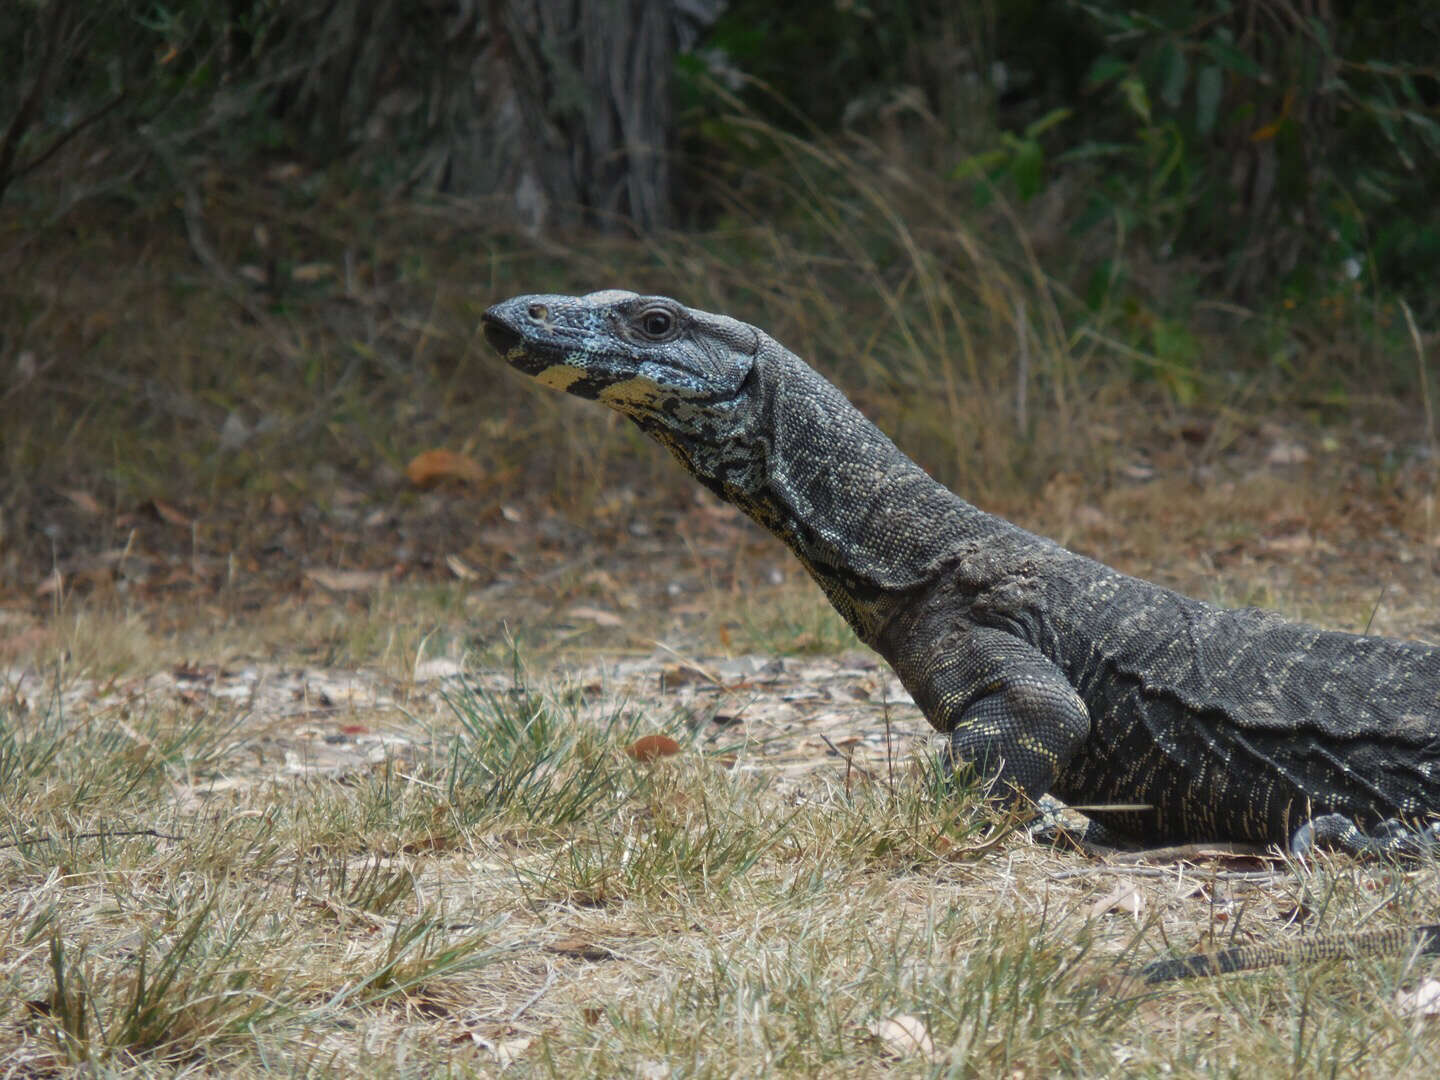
1009, 711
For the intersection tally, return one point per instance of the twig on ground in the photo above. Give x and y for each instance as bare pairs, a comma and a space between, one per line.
101, 834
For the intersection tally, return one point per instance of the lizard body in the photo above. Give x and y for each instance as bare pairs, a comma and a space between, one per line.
1051, 672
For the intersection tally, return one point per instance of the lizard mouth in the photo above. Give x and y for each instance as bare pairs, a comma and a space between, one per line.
500, 337
521, 351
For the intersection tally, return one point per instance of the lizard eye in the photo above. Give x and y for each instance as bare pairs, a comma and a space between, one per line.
656, 323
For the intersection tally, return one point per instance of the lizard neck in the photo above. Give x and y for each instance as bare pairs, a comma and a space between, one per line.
797, 457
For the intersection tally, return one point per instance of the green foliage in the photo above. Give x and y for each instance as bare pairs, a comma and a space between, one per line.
1275, 144
236, 79
135, 74
1021, 158
185, 982
804, 53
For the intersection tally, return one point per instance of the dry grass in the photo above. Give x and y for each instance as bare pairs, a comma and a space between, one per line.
208, 881
509, 889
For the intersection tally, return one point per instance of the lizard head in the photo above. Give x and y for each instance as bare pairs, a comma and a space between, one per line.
646, 356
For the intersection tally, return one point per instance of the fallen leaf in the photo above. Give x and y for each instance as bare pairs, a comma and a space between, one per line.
437, 466
461, 569
170, 514
312, 271
347, 580
1287, 453
1424, 1000
285, 172
53, 582
85, 502
1125, 899
580, 947
505, 1050
650, 747
596, 615
675, 676
904, 1036
1293, 544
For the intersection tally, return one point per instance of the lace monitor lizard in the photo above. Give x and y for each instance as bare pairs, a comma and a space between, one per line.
1051, 672
1392, 941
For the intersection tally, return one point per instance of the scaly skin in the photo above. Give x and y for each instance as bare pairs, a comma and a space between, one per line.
1398, 941
1051, 672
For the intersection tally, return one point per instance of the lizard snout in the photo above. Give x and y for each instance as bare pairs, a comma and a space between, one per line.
502, 338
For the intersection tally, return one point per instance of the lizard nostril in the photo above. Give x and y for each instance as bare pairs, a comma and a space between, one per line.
538, 312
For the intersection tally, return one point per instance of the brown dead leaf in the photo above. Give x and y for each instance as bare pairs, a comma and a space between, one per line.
435, 467
678, 675
53, 582
1293, 544
347, 580
285, 172
580, 947
312, 271
461, 569
904, 1036
596, 615
170, 514
84, 502
651, 747
1124, 898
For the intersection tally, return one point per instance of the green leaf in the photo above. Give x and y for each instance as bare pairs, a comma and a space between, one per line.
979, 164
1429, 129
1136, 97
1028, 169
1046, 122
1209, 88
1227, 56
1103, 280
1173, 72
1086, 151
1105, 69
